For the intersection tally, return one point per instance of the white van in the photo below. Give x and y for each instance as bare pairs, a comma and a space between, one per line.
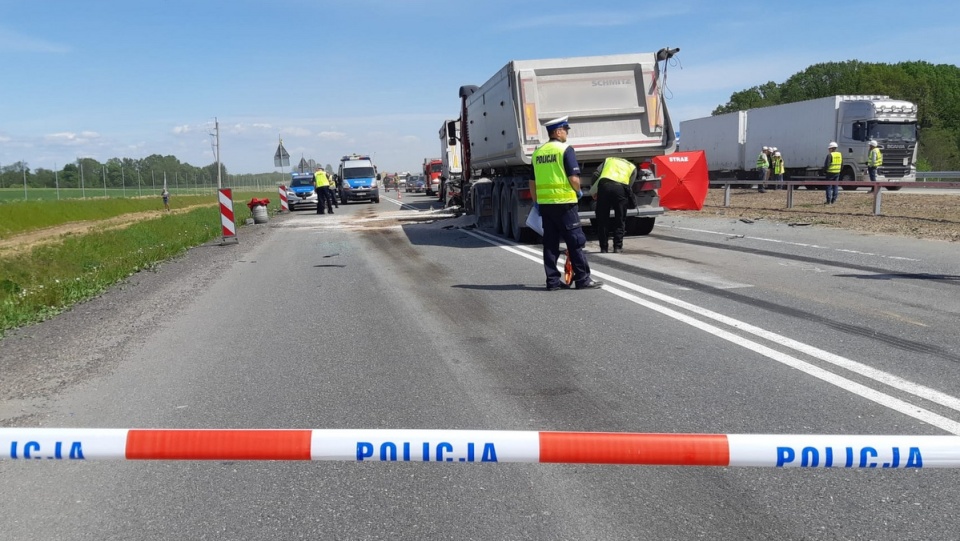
358, 179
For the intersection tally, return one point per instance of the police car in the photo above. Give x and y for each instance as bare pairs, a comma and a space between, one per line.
300, 192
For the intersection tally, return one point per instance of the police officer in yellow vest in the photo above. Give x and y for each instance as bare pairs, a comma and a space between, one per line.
874, 160
832, 166
333, 191
322, 188
556, 190
611, 189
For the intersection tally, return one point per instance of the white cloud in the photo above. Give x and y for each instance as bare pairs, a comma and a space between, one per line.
332, 135
11, 41
296, 132
71, 139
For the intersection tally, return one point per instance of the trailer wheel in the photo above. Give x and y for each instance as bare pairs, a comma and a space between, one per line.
506, 222
520, 232
497, 218
639, 226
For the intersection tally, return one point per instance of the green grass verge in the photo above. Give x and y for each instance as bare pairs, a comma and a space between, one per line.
24, 216
53, 277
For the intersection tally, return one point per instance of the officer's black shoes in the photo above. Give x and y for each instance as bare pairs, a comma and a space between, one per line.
558, 287
590, 284
618, 249
604, 249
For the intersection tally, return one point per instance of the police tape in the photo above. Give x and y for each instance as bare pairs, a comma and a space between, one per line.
484, 446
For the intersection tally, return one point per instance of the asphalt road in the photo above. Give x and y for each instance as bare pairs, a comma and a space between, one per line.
377, 317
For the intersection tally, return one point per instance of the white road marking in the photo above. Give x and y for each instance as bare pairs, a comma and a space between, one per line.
778, 241
879, 376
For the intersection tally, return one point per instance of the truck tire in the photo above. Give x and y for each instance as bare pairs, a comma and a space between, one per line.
894, 188
520, 232
497, 217
506, 220
847, 176
641, 226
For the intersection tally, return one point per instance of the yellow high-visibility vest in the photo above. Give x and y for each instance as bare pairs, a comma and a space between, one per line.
778, 165
875, 159
618, 170
762, 161
320, 179
836, 161
553, 186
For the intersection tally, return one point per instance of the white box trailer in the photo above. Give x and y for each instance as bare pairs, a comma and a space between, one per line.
801, 132
615, 106
721, 137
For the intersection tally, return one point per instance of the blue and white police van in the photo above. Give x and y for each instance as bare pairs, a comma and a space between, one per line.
358, 179
300, 192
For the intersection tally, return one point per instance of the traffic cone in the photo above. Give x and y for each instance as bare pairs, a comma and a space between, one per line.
567, 269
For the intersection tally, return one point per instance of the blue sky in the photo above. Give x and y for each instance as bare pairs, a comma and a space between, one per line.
130, 78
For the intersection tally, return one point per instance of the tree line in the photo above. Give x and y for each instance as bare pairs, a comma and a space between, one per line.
934, 88
147, 173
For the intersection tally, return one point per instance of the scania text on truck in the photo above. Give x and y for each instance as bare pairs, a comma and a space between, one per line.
359, 180
451, 171
615, 104
431, 175
801, 132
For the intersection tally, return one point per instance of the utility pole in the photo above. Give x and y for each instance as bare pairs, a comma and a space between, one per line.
83, 190
24, 170
216, 124
103, 173
123, 182
139, 182
56, 179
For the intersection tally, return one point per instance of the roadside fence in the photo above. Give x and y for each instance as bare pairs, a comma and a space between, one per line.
817, 182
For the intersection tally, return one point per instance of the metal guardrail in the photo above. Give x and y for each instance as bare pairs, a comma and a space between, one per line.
937, 174
876, 187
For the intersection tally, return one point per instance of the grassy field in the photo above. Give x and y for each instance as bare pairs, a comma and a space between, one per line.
25, 216
16, 194
50, 277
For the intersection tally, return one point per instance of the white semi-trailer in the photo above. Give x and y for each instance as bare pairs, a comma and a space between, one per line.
615, 105
801, 132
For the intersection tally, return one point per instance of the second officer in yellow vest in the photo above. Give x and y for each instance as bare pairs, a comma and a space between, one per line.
611, 188
556, 191
322, 187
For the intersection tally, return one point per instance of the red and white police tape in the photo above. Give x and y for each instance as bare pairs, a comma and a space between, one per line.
227, 223
453, 446
283, 198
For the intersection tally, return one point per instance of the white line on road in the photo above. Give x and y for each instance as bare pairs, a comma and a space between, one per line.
778, 241
891, 402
